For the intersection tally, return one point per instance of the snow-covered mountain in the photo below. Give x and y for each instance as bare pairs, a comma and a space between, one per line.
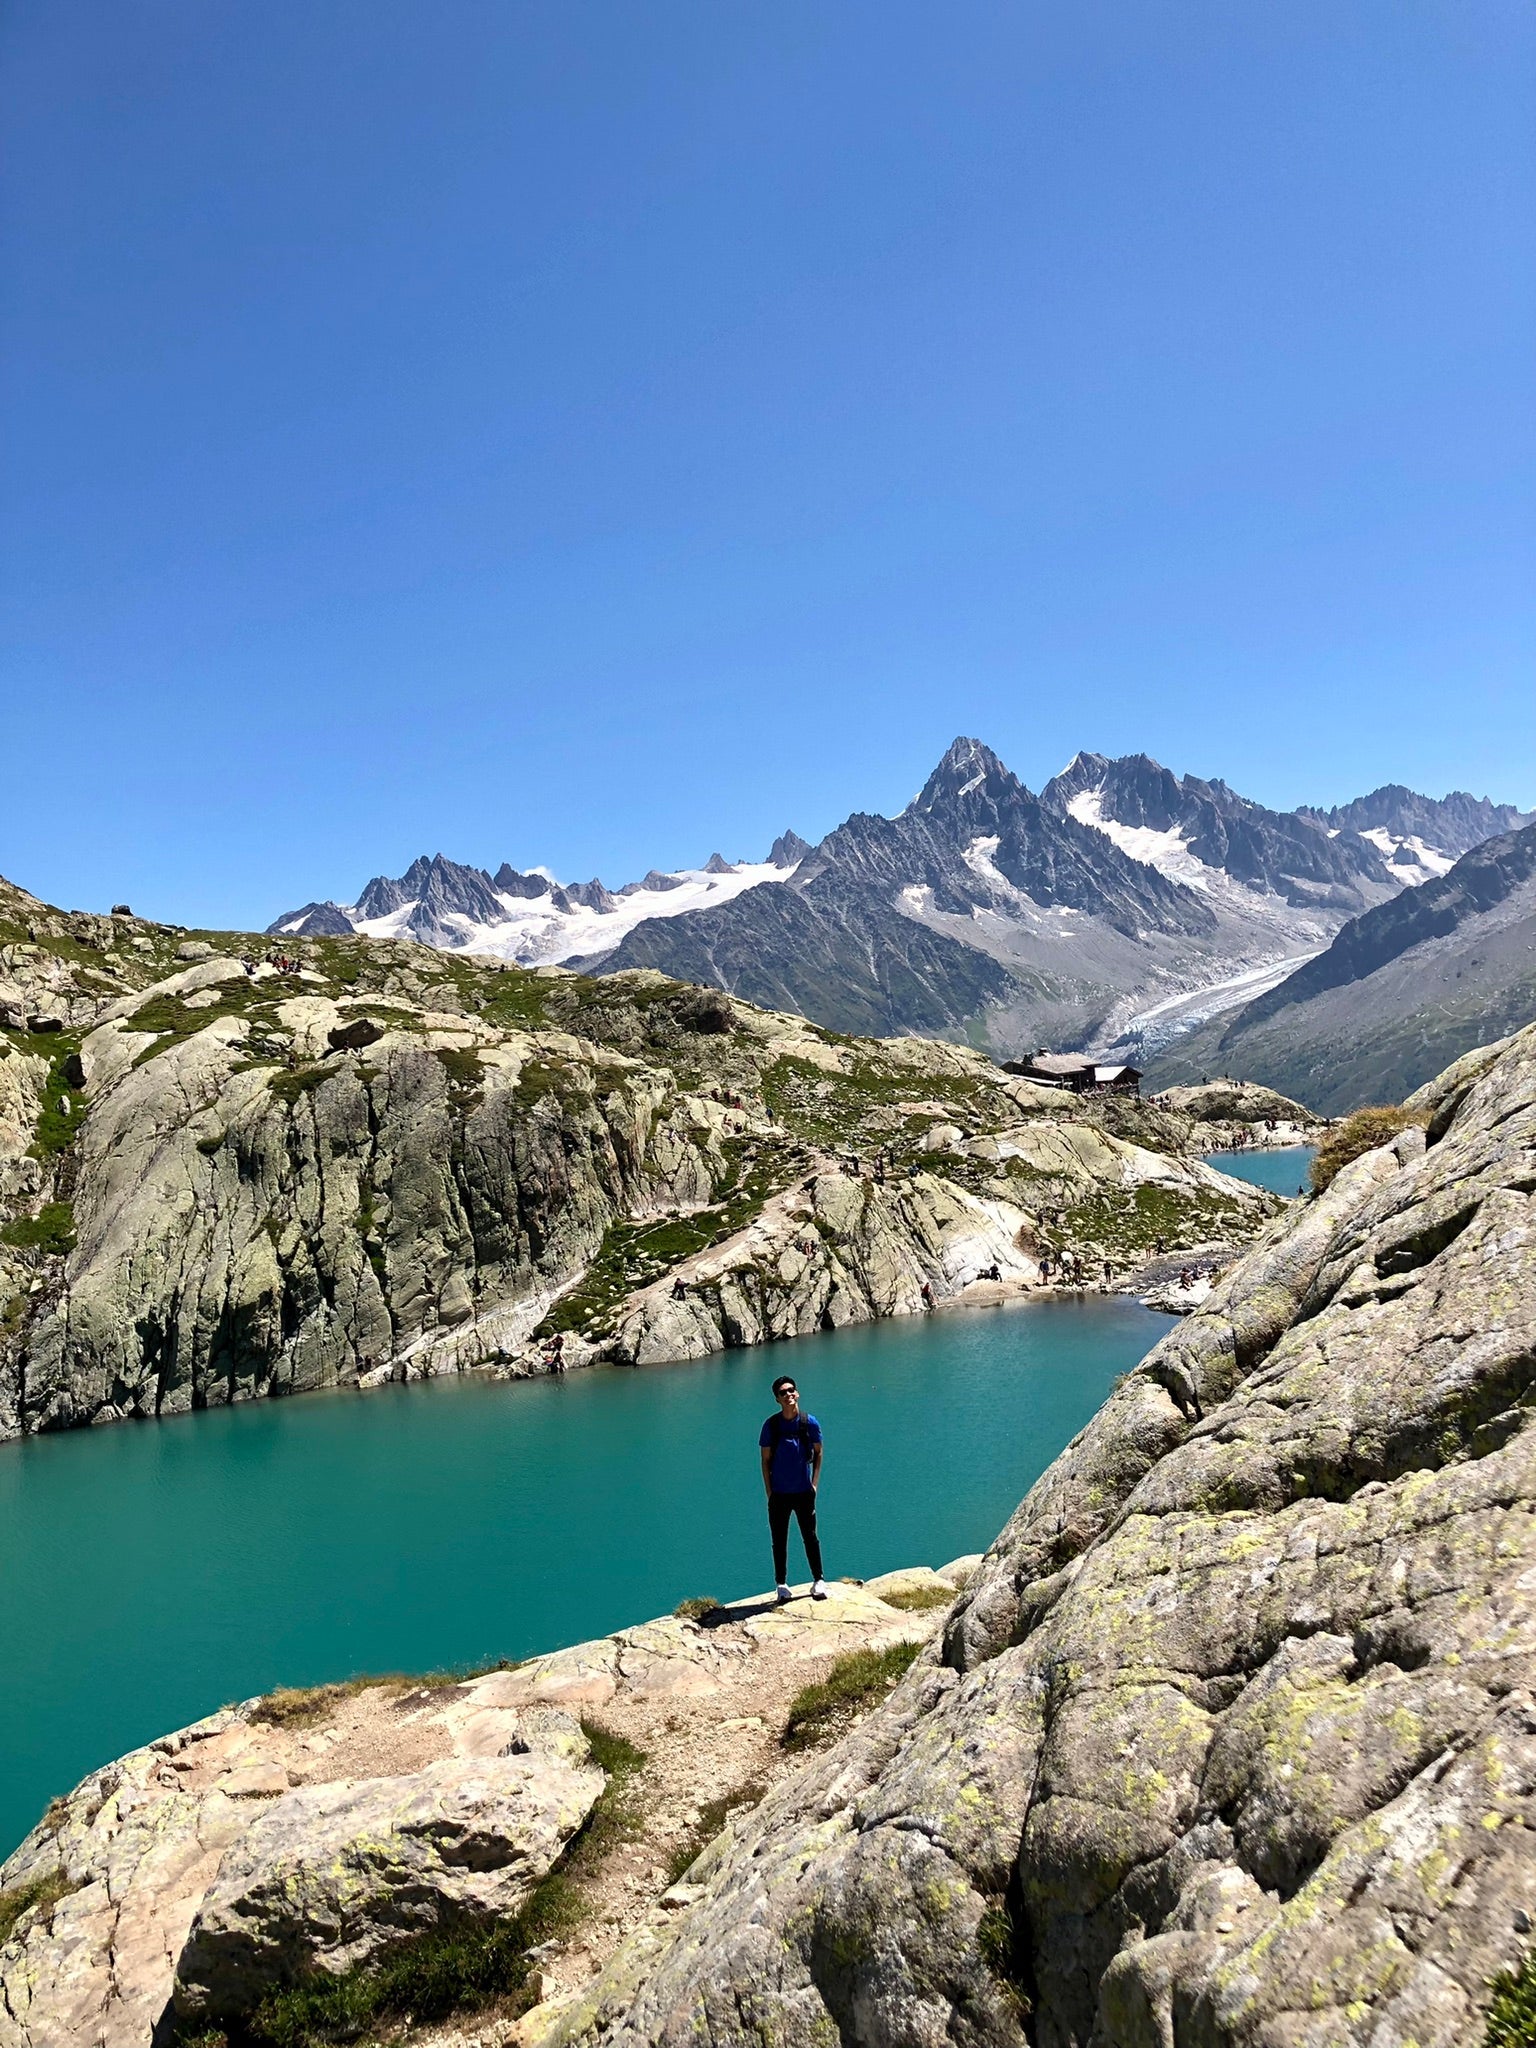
1420, 837
1121, 906
530, 918
1402, 991
1204, 834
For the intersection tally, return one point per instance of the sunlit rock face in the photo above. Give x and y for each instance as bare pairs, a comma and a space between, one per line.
1232, 1737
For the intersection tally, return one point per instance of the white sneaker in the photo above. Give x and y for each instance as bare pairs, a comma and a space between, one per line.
784, 1594
819, 1590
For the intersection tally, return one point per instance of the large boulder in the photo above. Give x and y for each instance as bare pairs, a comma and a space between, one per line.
331, 1874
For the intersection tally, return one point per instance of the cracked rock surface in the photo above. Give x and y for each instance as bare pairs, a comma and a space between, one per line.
252, 1849
218, 1862
330, 1874
1231, 1739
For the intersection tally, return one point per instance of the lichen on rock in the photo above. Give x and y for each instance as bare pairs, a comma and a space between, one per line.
1233, 1733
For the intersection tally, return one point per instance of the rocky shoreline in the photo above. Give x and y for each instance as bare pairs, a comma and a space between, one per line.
1230, 1738
228, 1173
312, 1830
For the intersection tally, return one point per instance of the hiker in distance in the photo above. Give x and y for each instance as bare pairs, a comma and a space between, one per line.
791, 1448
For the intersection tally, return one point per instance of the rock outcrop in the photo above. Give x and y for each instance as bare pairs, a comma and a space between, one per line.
1232, 1737
315, 1831
235, 1172
328, 1876
251, 1850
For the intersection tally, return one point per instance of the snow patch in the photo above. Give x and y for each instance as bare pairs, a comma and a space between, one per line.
978, 857
1168, 852
1409, 860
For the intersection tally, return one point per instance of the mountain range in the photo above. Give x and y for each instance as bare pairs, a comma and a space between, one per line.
1120, 908
1402, 991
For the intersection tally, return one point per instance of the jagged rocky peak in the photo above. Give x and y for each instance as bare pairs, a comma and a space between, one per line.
1279, 853
650, 882
1124, 900
788, 850
1134, 790
314, 921
591, 895
511, 883
436, 884
969, 767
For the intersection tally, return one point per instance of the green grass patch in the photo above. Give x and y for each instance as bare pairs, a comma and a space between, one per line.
1127, 1230
51, 1230
171, 1020
518, 1002
291, 1083
634, 1254
856, 1110
695, 1608
169, 1015
919, 1599
308, 1706
466, 1076
713, 1815
368, 1227
1512, 2015
59, 945
854, 1684
450, 1970
1357, 1135
37, 1897
63, 1108
1005, 1951
541, 1079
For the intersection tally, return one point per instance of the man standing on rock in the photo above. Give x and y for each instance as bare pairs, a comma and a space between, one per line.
791, 1450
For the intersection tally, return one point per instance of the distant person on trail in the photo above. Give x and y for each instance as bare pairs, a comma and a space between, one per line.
791, 1449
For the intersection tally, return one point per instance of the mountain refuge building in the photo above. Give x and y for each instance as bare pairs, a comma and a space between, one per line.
1076, 1072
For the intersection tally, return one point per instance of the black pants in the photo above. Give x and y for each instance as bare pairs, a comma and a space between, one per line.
803, 1507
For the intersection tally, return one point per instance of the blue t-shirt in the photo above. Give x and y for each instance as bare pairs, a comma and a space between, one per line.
789, 1469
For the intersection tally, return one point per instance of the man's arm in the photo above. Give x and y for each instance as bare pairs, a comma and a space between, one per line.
815, 1464
767, 1457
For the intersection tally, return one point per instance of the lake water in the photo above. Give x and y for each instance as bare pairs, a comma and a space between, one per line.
1283, 1171
150, 1572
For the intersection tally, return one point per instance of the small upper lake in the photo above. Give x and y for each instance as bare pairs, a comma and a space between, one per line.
1283, 1171
154, 1571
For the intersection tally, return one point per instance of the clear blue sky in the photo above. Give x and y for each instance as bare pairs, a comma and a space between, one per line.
596, 434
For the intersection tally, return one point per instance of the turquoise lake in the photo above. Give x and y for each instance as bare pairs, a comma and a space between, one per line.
1283, 1171
151, 1572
